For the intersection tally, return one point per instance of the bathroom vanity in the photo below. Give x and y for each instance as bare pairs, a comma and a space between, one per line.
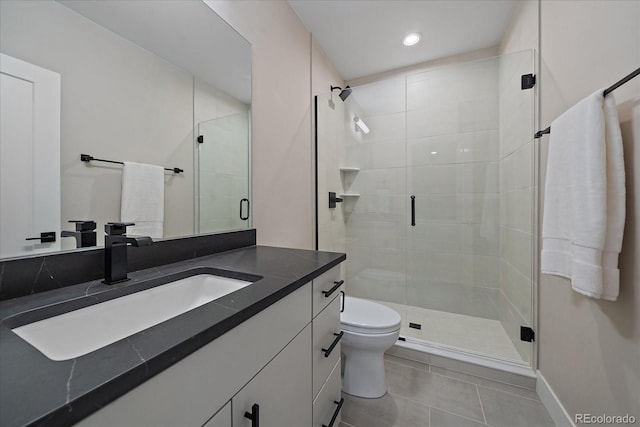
266, 354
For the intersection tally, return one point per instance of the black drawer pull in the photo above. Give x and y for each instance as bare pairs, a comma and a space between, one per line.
254, 415
327, 351
332, 290
335, 413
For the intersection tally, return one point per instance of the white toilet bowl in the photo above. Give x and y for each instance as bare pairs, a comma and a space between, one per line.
369, 330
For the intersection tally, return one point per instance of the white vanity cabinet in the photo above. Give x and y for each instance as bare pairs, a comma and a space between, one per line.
273, 360
192, 390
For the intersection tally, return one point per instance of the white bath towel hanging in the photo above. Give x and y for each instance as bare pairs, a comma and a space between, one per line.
584, 205
143, 199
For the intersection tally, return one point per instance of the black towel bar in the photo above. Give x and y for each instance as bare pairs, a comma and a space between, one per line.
606, 92
89, 158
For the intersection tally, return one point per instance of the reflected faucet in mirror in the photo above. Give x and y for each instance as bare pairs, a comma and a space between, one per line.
85, 233
115, 251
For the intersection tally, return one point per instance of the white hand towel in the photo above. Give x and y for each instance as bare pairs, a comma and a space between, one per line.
143, 199
583, 220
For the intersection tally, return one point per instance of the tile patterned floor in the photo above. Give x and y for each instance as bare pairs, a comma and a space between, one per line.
427, 396
485, 336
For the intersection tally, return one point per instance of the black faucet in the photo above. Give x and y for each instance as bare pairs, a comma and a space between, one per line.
85, 233
115, 251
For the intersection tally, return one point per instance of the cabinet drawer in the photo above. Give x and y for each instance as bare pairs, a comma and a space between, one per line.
325, 327
325, 406
325, 283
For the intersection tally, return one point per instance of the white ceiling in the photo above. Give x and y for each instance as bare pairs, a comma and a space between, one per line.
364, 37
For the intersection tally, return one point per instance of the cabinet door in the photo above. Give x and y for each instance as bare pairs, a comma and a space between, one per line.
282, 390
222, 418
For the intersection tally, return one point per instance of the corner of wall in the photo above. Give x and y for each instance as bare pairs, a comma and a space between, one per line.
552, 404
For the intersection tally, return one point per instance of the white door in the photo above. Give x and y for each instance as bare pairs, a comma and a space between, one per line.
29, 157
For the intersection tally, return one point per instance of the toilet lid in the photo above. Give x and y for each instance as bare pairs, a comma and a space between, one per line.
368, 317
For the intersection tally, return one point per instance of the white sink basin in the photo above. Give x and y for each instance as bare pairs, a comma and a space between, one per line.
82, 331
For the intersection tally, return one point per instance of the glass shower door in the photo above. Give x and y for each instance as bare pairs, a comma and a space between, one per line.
461, 153
223, 155
376, 220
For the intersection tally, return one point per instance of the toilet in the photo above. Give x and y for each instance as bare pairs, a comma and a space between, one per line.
369, 330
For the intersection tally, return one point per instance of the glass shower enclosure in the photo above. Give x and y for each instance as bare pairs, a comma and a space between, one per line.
438, 210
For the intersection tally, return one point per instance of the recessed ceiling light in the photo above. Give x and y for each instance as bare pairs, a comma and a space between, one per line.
412, 39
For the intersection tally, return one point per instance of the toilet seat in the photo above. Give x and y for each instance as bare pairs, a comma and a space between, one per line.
368, 317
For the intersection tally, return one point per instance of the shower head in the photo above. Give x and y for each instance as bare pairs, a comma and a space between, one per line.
344, 93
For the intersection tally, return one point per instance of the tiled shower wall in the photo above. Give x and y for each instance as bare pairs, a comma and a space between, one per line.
517, 194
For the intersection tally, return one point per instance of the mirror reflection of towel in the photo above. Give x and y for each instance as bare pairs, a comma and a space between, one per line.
143, 199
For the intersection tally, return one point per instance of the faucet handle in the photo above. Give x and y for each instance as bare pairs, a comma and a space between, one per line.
116, 228
84, 225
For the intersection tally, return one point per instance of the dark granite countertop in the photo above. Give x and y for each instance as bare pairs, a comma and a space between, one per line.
35, 390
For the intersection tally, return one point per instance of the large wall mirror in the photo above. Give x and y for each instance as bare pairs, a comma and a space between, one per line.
165, 83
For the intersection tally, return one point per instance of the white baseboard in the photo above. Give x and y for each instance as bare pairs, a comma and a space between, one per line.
551, 402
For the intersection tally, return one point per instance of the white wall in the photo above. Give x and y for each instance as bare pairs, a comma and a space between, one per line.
589, 350
282, 175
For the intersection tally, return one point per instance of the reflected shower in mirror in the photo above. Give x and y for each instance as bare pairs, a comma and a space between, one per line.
224, 171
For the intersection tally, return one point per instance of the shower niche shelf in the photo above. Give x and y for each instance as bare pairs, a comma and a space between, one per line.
350, 195
349, 169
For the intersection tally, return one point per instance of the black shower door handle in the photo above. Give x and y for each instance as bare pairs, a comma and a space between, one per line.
244, 218
413, 211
